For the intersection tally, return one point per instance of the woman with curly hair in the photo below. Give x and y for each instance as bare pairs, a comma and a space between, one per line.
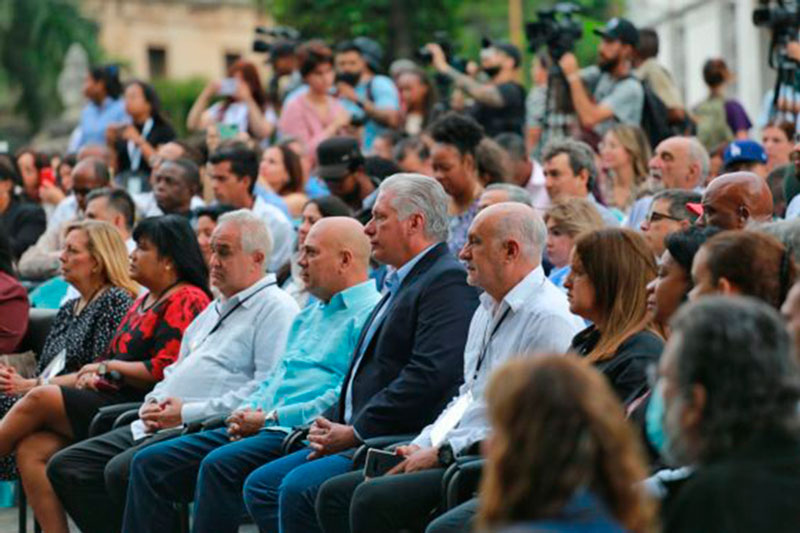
561, 456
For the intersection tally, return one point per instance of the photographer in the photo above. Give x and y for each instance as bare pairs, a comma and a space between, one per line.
607, 93
286, 75
500, 104
367, 95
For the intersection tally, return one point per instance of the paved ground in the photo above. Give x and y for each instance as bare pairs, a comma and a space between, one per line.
8, 523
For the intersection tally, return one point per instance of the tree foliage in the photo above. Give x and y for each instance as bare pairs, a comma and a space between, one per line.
34, 37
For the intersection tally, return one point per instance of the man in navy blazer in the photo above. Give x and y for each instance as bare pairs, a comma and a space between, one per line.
407, 364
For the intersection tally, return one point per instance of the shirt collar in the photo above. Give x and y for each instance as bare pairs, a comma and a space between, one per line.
401, 273
244, 295
353, 295
519, 294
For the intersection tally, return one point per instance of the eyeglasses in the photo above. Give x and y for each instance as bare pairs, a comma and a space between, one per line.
655, 216
81, 191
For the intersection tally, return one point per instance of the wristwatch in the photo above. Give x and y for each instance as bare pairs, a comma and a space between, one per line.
272, 417
446, 455
102, 369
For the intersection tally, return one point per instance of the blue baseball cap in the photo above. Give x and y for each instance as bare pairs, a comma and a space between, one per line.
744, 152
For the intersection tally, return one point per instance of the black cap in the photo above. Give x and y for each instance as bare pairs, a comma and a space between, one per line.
336, 156
510, 50
620, 29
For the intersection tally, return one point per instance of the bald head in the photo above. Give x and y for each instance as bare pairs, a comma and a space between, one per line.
89, 174
334, 256
732, 200
504, 245
96, 151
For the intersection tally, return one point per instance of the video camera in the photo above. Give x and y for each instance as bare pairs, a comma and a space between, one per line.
556, 28
783, 19
263, 45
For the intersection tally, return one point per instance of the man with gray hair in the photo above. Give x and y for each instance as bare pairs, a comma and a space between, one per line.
521, 314
226, 352
726, 404
496, 193
668, 214
570, 172
406, 365
678, 163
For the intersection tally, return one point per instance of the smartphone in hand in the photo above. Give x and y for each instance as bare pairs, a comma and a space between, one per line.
379, 462
227, 87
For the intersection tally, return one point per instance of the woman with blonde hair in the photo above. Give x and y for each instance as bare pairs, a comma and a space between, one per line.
58, 406
561, 455
608, 286
625, 153
566, 220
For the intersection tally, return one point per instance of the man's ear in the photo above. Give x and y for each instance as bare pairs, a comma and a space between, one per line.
724, 286
511, 250
743, 215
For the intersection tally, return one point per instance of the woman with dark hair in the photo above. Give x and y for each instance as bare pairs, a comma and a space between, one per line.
132, 145
54, 414
777, 137
455, 166
30, 165
104, 107
314, 115
561, 456
243, 107
671, 286
419, 97
206, 224
314, 210
13, 300
607, 285
749, 263
281, 173
24, 222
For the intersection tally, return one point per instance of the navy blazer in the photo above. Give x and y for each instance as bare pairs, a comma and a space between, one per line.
414, 363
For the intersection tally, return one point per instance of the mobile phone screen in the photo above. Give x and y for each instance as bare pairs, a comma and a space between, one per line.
379, 462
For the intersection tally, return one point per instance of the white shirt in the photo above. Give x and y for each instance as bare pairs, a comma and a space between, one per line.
146, 204
281, 230
538, 321
540, 200
793, 209
66, 211
219, 366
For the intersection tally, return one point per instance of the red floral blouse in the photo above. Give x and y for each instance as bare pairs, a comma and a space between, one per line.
153, 336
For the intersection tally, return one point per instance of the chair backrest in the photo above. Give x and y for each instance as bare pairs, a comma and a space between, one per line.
39, 322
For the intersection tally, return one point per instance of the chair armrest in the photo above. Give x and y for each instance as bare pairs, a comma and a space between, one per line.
126, 418
106, 416
213, 422
294, 440
461, 480
387, 441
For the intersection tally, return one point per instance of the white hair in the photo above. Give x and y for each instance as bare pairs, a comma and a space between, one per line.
418, 194
699, 154
528, 228
255, 234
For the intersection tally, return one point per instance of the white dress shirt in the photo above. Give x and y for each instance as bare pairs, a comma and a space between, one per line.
227, 351
532, 318
281, 230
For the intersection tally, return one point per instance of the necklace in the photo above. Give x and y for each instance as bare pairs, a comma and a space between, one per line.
78, 309
145, 309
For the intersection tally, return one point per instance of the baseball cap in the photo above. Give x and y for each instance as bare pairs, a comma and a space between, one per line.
619, 29
335, 157
696, 208
744, 151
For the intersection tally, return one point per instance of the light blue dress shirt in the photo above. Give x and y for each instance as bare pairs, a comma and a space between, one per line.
309, 376
392, 285
96, 119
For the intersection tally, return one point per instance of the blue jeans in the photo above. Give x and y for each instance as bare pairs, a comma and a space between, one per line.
281, 495
206, 465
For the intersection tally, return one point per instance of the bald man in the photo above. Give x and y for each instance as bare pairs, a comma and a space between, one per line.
731, 201
521, 314
334, 263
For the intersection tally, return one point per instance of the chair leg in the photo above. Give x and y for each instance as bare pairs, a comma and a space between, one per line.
23, 508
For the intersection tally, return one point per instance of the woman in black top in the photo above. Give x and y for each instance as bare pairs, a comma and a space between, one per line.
608, 286
133, 145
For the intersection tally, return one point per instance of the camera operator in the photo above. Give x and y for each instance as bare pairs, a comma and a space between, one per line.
500, 104
367, 96
285, 74
607, 93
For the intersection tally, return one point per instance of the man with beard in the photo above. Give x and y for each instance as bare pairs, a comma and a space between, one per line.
607, 93
500, 104
341, 165
726, 405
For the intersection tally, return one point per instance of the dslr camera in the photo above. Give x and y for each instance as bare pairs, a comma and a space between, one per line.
443, 40
556, 28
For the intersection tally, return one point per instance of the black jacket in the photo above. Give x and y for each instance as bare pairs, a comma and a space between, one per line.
414, 363
24, 223
627, 370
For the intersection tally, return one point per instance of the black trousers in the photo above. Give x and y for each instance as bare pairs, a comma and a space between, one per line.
457, 520
403, 502
91, 477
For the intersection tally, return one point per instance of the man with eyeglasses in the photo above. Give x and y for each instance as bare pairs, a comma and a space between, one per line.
668, 214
